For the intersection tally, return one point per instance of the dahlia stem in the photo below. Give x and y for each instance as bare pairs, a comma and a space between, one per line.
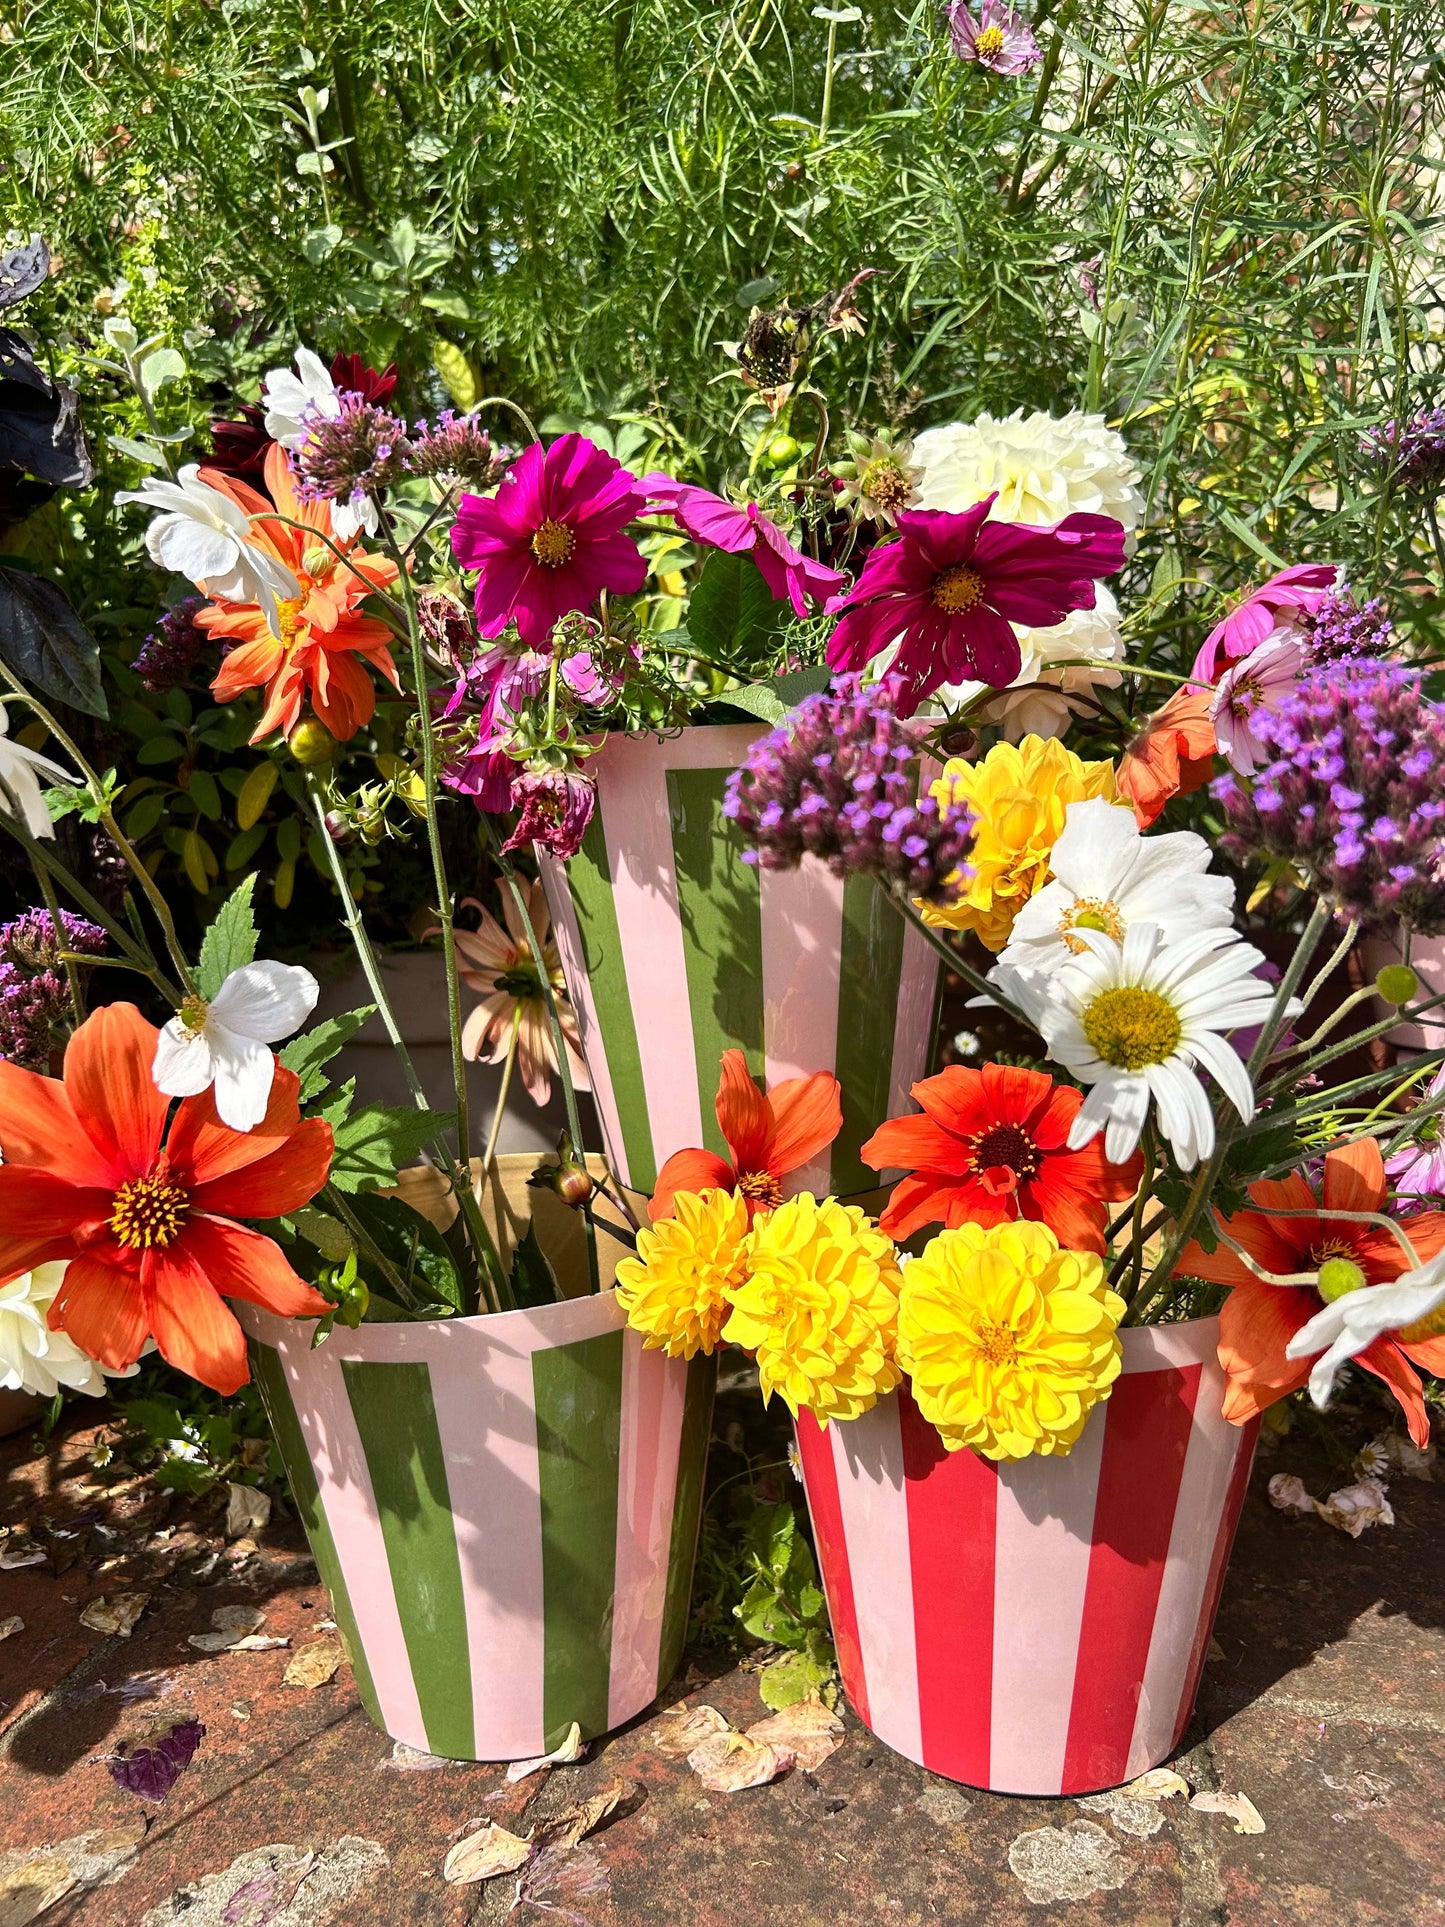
507, 1068
1336, 957
956, 963
72, 974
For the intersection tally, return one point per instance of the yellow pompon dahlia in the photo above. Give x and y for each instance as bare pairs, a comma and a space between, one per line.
1020, 794
820, 1307
678, 1289
1010, 1340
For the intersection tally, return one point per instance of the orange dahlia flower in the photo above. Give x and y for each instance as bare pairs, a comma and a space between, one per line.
1258, 1319
992, 1145
325, 641
145, 1215
769, 1137
1172, 755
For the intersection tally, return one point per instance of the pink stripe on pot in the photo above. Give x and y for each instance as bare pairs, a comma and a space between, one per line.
913, 1026
318, 1392
802, 926
1247, 1436
654, 1392
579, 990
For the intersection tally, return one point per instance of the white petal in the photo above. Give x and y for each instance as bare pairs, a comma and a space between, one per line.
190, 548
182, 1066
244, 1071
1226, 1066
1096, 849
265, 1001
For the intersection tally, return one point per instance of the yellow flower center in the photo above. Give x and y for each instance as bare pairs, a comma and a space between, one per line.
958, 589
1091, 913
885, 483
988, 44
1431, 1326
288, 618
552, 543
997, 1344
1130, 1027
762, 1187
148, 1211
192, 1013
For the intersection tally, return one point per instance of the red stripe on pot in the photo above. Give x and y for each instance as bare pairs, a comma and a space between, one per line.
1146, 1439
579, 990
802, 925
1246, 1437
952, 1502
816, 1446
654, 1391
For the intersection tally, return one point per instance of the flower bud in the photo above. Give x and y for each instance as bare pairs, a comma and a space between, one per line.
1397, 984
311, 742
1338, 1276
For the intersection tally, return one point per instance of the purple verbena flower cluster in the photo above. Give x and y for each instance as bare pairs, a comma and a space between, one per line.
1340, 628
353, 454
839, 780
35, 1000
1353, 792
1411, 453
171, 651
456, 448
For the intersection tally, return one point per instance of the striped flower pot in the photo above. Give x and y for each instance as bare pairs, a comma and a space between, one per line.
676, 950
504, 1510
1040, 1626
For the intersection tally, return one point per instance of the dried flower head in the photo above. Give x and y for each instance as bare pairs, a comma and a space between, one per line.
457, 449
171, 651
351, 455
35, 1001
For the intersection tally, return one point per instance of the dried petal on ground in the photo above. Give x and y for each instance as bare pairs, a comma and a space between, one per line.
32, 1879
311, 1666
333, 1877
1159, 1783
150, 1768
14, 1624
255, 1643
485, 1854
565, 1829
21, 1552
116, 1615
259, 1901
1068, 1863
28, 1890
232, 1625
681, 1728
1287, 1494
730, 1762
572, 1748
807, 1730
1139, 1817
1355, 1507
410, 1759
1238, 1806
559, 1875
248, 1509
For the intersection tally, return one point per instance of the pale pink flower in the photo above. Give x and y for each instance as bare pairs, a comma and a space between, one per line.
1260, 680
501, 966
999, 39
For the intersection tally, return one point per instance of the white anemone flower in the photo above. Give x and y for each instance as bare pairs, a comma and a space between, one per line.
1058, 668
205, 536
1107, 876
1042, 466
20, 772
1136, 1021
1353, 1321
225, 1041
292, 402
33, 1358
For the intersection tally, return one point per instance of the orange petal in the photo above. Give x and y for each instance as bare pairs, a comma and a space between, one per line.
202, 1149
38, 1126
689, 1171
1256, 1323
108, 1081
1076, 1219
241, 1263
193, 1327
1354, 1177
917, 1201
917, 1143
953, 1099
743, 1113
1013, 1093
250, 667
104, 1310
1385, 1359
807, 1116
290, 1177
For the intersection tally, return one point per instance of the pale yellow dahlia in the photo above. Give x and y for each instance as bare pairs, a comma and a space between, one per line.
820, 1307
1020, 793
1009, 1339
678, 1289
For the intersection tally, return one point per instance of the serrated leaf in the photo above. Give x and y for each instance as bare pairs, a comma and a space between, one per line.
533, 1280
306, 1054
732, 617
376, 1142
230, 941
414, 1246
46, 644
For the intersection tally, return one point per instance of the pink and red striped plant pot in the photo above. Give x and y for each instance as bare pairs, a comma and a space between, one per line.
1039, 1626
675, 950
504, 1510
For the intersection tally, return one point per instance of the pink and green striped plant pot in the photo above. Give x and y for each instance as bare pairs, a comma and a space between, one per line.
504, 1510
676, 950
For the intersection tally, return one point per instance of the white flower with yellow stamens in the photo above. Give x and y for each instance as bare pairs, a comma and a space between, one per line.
226, 1040
1410, 1308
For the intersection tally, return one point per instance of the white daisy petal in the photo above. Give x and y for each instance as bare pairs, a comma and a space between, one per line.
265, 1001
1226, 1066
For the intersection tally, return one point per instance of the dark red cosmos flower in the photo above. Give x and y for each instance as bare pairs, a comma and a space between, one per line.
949, 588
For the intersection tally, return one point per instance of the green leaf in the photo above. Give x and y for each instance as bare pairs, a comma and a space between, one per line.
307, 1053
229, 942
46, 644
136, 451
165, 365
533, 1280
321, 243
414, 1246
732, 617
204, 793
374, 1143
758, 699
787, 1680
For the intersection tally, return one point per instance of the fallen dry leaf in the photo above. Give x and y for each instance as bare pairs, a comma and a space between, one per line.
14, 1624
247, 1510
116, 1615
232, 1624
1159, 1783
1238, 1806
730, 1762
568, 1827
1355, 1507
311, 1666
485, 1854
27, 1891
1287, 1494
572, 1748
806, 1729
682, 1727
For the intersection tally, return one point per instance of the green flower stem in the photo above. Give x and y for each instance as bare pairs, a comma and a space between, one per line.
1309, 937
1407, 1013
956, 963
507, 1068
1132, 1257
1336, 957
338, 1206
67, 957
1332, 1103
394, 608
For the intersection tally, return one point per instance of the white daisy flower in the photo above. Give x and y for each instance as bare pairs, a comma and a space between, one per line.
1357, 1318
226, 1041
1107, 876
292, 402
20, 772
33, 1358
1134, 1020
1042, 466
205, 536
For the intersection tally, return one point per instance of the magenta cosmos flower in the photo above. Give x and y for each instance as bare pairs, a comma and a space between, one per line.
949, 589
1277, 604
550, 540
999, 39
719, 524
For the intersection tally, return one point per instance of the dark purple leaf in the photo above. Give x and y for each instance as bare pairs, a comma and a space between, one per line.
22, 270
151, 1771
40, 431
45, 642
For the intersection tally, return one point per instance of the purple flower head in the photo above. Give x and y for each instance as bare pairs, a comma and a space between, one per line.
171, 651
1339, 627
1277, 604
1352, 791
36, 1008
1411, 454
1419, 1170
839, 780
556, 808
1261, 680
550, 540
351, 455
999, 39
456, 448
950, 588
739, 530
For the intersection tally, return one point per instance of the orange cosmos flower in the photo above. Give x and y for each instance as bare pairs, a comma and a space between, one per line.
325, 640
769, 1137
1172, 755
1258, 1319
145, 1216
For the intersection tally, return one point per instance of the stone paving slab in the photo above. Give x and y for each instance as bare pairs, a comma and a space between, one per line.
1324, 1705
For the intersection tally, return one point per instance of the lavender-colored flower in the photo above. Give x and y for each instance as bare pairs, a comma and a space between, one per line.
556, 808
1419, 1170
1259, 681
171, 651
351, 455
1352, 791
1340, 628
1411, 453
35, 1001
999, 39
839, 780
456, 448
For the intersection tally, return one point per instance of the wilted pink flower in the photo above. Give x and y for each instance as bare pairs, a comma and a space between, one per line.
949, 589
556, 808
1419, 1170
744, 529
999, 39
550, 540
1260, 680
1277, 604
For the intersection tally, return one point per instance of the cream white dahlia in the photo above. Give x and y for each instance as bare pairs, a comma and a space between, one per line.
32, 1357
1042, 466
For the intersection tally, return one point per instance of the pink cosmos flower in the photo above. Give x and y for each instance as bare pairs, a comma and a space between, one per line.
1278, 603
556, 808
999, 39
1260, 680
949, 589
1419, 1170
719, 524
550, 540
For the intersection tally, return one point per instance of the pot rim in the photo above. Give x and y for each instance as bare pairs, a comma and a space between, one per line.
563, 1322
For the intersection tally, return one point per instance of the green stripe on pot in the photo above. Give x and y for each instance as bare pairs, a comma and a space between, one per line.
869, 975
397, 1424
577, 1391
720, 907
589, 878
686, 1512
270, 1376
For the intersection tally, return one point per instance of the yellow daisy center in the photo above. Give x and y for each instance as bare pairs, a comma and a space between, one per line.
1130, 1027
148, 1211
1091, 913
958, 589
552, 543
988, 44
